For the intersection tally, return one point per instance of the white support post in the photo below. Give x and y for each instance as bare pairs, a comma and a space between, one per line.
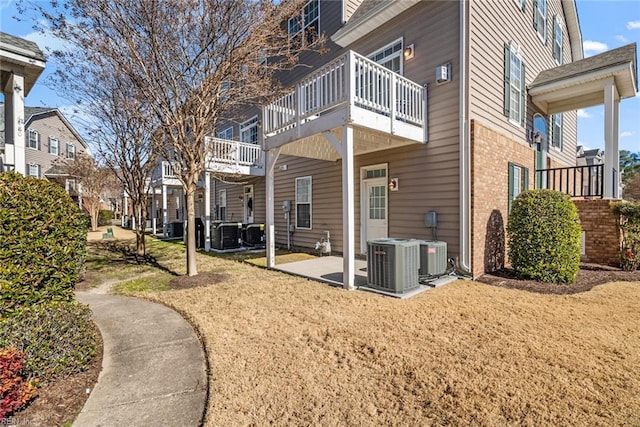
154, 213
14, 124
207, 211
165, 214
392, 103
348, 209
611, 153
272, 158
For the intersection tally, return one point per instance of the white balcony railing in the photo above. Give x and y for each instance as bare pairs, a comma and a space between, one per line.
351, 80
234, 153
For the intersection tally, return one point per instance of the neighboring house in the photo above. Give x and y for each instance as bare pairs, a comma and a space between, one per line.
417, 107
49, 138
21, 63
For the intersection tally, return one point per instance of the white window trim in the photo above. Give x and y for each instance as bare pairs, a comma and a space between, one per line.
557, 32
222, 203
399, 53
305, 24
310, 203
554, 123
57, 145
37, 167
71, 149
226, 133
541, 26
514, 50
246, 127
37, 138
520, 3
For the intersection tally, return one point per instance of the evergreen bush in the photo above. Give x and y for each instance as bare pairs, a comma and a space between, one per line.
42, 242
544, 236
57, 338
104, 217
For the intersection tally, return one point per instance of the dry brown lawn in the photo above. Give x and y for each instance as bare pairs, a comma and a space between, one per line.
287, 351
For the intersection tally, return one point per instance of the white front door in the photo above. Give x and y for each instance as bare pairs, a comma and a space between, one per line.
375, 221
248, 204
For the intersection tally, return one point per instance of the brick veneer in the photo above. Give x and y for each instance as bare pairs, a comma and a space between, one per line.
602, 238
491, 154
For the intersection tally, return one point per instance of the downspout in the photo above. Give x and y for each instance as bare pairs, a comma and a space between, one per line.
465, 150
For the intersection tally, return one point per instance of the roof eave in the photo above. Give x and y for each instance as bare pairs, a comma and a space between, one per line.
573, 28
379, 15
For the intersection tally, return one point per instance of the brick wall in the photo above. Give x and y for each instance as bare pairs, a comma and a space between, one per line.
600, 225
491, 154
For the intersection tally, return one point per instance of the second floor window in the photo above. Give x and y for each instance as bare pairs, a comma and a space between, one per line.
307, 22
71, 151
514, 85
249, 131
34, 139
226, 134
53, 146
557, 40
540, 18
556, 131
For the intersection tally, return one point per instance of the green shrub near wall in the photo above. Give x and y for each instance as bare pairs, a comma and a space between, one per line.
42, 242
544, 236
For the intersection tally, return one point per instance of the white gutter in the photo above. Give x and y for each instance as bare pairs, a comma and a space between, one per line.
465, 151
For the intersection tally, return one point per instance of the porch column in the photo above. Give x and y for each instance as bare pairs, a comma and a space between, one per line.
154, 213
14, 123
348, 210
165, 216
125, 207
272, 158
207, 211
611, 152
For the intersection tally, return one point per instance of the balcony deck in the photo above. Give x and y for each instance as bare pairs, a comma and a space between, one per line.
385, 109
234, 157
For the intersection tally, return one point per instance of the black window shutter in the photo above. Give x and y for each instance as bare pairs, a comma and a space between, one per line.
535, 14
507, 82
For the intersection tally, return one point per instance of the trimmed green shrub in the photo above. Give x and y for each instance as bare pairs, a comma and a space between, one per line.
42, 242
104, 217
15, 392
58, 338
544, 236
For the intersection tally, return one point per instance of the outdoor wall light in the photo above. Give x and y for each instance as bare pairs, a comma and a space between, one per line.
409, 51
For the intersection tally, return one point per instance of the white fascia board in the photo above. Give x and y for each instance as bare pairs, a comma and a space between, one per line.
368, 22
573, 28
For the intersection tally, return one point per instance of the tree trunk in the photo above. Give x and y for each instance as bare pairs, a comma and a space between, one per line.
141, 223
93, 214
192, 269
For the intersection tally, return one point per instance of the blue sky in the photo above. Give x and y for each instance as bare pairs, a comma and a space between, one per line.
605, 24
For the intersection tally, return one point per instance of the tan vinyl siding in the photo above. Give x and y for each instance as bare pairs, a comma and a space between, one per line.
492, 24
428, 174
235, 207
49, 125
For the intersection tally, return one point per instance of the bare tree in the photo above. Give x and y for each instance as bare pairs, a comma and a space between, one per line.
190, 63
94, 180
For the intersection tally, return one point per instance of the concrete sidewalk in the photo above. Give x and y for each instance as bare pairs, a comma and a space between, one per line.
153, 368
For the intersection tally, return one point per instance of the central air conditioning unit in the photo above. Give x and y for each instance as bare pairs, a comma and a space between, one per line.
393, 264
253, 235
226, 235
433, 257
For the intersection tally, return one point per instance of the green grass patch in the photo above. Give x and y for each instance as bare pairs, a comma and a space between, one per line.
144, 284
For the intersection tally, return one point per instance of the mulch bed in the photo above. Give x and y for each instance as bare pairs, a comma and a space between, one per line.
588, 276
201, 279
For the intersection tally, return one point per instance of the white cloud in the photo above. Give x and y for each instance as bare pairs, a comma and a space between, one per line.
592, 48
47, 41
584, 114
633, 25
622, 39
5, 4
626, 134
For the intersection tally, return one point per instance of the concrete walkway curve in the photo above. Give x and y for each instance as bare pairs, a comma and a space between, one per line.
153, 367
